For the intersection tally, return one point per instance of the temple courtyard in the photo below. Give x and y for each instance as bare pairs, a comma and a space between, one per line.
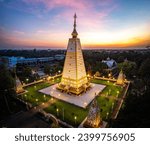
108, 97
82, 100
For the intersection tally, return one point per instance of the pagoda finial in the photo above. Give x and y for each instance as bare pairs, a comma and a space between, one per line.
74, 33
75, 16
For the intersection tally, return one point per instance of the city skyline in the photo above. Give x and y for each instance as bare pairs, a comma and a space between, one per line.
100, 23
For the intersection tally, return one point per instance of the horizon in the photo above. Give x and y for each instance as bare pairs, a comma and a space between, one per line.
85, 48
101, 24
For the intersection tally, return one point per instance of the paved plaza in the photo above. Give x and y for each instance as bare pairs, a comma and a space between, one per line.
82, 100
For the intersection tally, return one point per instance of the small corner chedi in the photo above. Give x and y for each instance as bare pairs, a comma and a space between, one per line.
77, 99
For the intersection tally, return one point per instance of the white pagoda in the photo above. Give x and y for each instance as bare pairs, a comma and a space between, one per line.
121, 78
74, 79
93, 119
19, 86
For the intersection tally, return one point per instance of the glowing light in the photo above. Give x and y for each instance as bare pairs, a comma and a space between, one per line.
85, 103
48, 78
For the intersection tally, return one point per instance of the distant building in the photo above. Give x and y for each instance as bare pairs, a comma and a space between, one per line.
59, 56
111, 63
35, 61
13, 61
41, 74
3, 61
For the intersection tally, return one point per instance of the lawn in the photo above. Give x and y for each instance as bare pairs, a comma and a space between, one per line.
33, 96
68, 112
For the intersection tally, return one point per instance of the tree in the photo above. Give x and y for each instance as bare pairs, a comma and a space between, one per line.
144, 68
47, 69
7, 85
27, 71
128, 67
6, 80
135, 112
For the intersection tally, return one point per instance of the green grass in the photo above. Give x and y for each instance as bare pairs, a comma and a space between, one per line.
111, 89
106, 100
33, 96
70, 111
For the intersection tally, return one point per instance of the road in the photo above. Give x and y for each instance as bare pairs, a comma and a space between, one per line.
28, 118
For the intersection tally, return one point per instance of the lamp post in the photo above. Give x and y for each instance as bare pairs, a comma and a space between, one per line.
117, 94
63, 113
44, 97
109, 75
109, 91
107, 115
27, 80
107, 94
57, 110
25, 97
37, 100
112, 105
75, 118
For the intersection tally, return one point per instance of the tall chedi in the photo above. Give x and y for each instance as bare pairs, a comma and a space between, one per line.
74, 79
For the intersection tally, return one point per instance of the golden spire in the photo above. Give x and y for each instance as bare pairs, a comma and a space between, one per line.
74, 33
75, 16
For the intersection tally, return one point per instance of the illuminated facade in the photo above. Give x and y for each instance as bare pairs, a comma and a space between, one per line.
74, 79
19, 87
121, 78
93, 119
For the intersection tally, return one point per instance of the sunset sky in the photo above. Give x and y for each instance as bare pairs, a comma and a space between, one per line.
49, 23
